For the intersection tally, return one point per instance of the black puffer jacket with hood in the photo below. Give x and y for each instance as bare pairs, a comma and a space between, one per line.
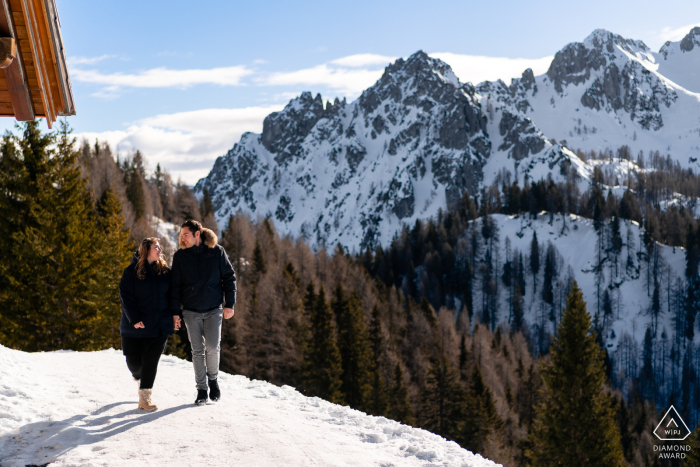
145, 300
202, 277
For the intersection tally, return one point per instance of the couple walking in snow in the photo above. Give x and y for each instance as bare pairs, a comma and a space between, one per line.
200, 290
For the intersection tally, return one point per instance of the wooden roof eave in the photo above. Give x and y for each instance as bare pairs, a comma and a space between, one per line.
54, 24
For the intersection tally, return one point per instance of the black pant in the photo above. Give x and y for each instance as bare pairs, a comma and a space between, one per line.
142, 356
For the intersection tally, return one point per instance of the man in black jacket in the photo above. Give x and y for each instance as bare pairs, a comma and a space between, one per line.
202, 280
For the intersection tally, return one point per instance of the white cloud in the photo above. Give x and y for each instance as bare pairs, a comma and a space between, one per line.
164, 78
476, 68
348, 81
672, 34
185, 143
260, 61
88, 60
363, 60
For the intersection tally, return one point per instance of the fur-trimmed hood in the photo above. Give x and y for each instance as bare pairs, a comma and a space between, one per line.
208, 237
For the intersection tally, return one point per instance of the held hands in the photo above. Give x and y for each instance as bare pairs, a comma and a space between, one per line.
177, 322
139, 325
228, 313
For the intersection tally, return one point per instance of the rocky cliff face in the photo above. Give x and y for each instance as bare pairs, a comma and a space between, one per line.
409, 146
418, 139
608, 91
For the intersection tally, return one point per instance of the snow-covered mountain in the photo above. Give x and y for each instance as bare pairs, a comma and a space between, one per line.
80, 408
353, 173
416, 140
608, 91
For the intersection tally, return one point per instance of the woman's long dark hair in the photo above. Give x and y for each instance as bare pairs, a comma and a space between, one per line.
159, 266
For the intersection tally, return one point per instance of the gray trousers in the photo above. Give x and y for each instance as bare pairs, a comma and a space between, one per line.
204, 331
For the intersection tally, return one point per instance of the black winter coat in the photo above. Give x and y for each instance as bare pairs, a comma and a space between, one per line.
145, 300
202, 277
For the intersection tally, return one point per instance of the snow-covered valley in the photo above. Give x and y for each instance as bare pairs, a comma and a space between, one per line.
79, 409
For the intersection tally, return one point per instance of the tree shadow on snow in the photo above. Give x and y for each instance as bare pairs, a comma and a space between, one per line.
55, 438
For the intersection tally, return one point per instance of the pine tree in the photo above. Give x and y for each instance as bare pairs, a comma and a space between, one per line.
399, 405
259, 267
549, 273
534, 260
463, 355
693, 456
378, 401
134, 181
481, 417
442, 400
646, 376
322, 366
207, 210
575, 423
51, 291
116, 249
355, 349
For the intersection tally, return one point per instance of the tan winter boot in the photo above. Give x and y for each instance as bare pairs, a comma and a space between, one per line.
145, 400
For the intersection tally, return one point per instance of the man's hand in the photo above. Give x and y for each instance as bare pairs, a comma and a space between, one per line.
139, 325
177, 322
228, 313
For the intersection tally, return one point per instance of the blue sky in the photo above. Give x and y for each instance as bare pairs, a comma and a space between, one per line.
182, 80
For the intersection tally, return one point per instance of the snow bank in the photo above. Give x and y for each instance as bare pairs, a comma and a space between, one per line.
79, 408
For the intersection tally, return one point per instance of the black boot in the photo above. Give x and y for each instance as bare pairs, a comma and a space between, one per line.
214, 391
201, 397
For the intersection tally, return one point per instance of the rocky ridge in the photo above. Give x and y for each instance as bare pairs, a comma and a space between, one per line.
609, 91
352, 173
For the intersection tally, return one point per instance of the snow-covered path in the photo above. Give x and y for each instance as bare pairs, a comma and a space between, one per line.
79, 409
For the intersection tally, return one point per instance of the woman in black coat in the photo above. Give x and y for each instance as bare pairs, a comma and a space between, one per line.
146, 321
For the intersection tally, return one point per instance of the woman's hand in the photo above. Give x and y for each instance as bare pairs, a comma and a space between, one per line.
139, 325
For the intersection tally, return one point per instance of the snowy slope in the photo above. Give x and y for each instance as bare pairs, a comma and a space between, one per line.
575, 240
79, 409
609, 91
680, 61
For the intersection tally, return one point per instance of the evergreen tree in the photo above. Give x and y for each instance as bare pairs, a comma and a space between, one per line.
534, 260
463, 355
693, 456
379, 402
442, 400
520, 275
646, 376
355, 349
399, 406
518, 312
207, 210
116, 249
481, 417
52, 279
575, 423
134, 181
322, 366
549, 274
259, 267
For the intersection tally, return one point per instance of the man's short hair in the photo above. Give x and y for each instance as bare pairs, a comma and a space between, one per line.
194, 226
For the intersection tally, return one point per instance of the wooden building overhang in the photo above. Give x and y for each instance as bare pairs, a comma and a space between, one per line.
34, 79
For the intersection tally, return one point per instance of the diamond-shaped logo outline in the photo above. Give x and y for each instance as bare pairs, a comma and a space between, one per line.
679, 418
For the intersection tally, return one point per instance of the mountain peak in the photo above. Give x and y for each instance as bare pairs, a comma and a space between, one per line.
421, 65
691, 40
604, 40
